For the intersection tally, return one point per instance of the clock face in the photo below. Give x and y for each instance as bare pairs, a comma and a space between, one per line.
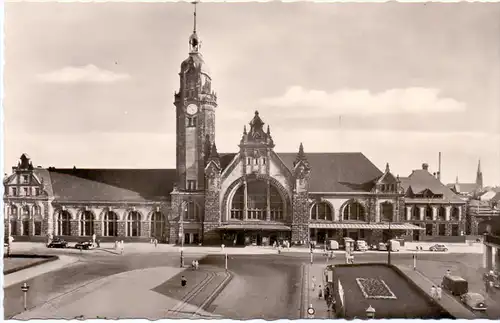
192, 109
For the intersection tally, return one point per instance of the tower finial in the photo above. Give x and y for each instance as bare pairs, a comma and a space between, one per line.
194, 42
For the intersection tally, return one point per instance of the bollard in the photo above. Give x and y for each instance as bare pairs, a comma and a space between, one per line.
24, 288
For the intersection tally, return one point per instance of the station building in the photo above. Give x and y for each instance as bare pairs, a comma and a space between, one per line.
254, 195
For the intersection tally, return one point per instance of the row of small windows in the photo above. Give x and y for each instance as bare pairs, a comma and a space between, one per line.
388, 187
441, 213
25, 191
26, 210
191, 185
256, 161
24, 226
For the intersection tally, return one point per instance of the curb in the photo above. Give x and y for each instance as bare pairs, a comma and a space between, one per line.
304, 299
216, 293
34, 264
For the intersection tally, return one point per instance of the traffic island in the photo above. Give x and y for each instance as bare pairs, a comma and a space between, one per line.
18, 262
380, 291
201, 289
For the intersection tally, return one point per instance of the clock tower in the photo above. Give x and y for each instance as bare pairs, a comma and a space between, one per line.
195, 105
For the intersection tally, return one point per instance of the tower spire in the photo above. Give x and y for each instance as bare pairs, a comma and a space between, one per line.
479, 175
194, 42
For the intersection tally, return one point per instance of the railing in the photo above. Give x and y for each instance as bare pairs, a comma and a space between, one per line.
492, 239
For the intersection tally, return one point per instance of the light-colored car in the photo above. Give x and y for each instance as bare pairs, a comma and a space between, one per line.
438, 247
382, 246
475, 301
361, 245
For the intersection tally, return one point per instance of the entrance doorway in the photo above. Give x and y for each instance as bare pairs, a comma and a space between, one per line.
416, 235
353, 234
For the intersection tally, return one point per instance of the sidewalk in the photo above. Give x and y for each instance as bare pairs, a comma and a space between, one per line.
319, 304
449, 303
125, 295
22, 275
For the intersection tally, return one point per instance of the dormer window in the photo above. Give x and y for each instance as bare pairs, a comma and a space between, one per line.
37, 191
26, 191
25, 179
14, 191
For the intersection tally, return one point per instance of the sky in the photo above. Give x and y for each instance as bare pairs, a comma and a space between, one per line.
91, 85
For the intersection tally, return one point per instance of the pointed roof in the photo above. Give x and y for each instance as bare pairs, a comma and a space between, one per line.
420, 181
256, 135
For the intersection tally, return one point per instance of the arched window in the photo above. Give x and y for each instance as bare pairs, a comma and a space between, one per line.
13, 210
25, 221
110, 224
257, 202
37, 220
36, 210
87, 223
442, 213
322, 211
415, 213
134, 224
191, 211
64, 223
157, 225
428, 212
387, 211
354, 211
455, 213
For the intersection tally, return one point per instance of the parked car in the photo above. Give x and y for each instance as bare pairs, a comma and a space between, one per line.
395, 245
456, 285
361, 245
474, 301
382, 246
86, 245
57, 243
438, 247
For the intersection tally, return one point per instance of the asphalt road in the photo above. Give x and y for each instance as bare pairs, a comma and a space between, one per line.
264, 286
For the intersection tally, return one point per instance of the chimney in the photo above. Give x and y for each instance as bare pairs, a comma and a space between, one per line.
425, 166
439, 168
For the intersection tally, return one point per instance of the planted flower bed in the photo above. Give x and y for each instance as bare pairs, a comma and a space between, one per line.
375, 288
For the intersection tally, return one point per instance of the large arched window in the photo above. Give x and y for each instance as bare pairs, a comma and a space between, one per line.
354, 211
110, 224
257, 202
37, 220
191, 211
428, 212
25, 221
64, 223
134, 224
442, 213
387, 212
455, 213
322, 211
87, 223
157, 225
415, 213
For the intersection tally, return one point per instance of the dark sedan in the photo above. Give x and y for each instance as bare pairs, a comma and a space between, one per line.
86, 245
57, 243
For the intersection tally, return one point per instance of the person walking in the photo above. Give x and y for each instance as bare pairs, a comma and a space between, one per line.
439, 292
433, 292
320, 292
122, 246
196, 264
183, 281
448, 273
327, 298
313, 283
116, 245
156, 242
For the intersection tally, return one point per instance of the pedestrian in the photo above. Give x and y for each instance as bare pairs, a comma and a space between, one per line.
116, 245
433, 292
193, 265
327, 296
222, 247
196, 264
320, 292
98, 243
439, 292
122, 246
448, 273
279, 249
313, 283
156, 242
183, 281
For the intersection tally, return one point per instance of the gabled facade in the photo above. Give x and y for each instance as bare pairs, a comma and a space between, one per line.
432, 206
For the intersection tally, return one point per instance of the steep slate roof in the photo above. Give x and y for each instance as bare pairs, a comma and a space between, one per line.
43, 175
420, 180
495, 198
133, 185
464, 187
338, 172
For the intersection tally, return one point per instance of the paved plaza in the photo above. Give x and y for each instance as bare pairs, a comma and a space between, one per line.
264, 284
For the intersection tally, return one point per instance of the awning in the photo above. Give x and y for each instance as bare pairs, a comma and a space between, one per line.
253, 227
372, 226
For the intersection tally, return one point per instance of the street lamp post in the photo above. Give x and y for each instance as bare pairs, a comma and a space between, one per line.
370, 312
24, 288
181, 236
389, 246
225, 261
